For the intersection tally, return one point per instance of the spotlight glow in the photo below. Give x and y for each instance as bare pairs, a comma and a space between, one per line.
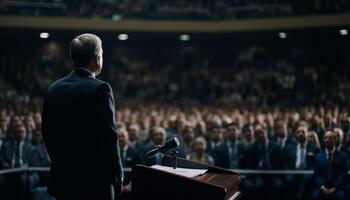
44, 35
123, 36
185, 37
282, 35
343, 32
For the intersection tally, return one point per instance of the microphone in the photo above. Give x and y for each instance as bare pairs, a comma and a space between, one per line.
170, 144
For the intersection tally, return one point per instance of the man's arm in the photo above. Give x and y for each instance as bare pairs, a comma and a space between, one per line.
108, 133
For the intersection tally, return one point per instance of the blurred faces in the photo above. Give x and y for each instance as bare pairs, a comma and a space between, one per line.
248, 133
134, 132
123, 137
20, 132
329, 140
260, 133
311, 137
232, 132
216, 134
187, 133
281, 129
200, 145
159, 135
301, 134
30, 122
338, 136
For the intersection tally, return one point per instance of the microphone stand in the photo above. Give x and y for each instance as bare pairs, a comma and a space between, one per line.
174, 154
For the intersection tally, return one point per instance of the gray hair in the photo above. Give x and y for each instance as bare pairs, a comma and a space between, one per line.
83, 48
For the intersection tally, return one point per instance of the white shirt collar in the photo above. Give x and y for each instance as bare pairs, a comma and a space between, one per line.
87, 70
327, 151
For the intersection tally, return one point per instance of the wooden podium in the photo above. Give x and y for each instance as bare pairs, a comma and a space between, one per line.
215, 184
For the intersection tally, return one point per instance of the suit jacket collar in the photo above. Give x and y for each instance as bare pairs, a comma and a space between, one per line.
82, 72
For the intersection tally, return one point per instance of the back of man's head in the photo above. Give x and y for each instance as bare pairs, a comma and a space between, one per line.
83, 48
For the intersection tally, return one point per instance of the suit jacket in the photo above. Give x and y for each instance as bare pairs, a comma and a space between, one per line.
290, 155
339, 169
224, 157
8, 151
80, 134
255, 153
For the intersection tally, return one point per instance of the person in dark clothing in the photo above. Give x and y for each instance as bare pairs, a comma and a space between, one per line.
231, 152
16, 153
265, 154
79, 128
300, 156
330, 171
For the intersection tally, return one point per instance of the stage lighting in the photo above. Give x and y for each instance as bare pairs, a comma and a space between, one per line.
185, 37
44, 35
123, 36
343, 32
282, 35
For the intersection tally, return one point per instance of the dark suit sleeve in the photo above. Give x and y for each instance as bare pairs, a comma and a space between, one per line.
108, 133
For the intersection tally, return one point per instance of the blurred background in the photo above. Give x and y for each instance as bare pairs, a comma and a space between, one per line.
225, 76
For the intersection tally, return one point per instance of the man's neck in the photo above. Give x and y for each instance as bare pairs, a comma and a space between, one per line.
88, 70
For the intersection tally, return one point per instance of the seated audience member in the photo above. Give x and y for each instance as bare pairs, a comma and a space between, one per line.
186, 147
19, 153
133, 133
129, 157
248, 136
134, 141
214, 141
264, 154
316, 125
339, 136
330, 171
312, 138
199, 154
300, 155
283, 139
158, 136
231, 152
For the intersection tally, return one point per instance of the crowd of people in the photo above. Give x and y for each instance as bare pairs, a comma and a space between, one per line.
184, 9
232, 138
255, 111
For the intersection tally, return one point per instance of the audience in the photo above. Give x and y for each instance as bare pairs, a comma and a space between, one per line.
260, 112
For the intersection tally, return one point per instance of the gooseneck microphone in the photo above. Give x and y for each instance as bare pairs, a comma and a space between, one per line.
168, 145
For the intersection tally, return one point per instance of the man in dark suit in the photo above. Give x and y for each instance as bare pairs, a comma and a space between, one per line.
264, 154
214, 140
299, 155
15, 153
79, 128
330, 171
231, 152
129, 157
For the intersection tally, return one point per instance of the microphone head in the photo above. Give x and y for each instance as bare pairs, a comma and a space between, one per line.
172, 143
